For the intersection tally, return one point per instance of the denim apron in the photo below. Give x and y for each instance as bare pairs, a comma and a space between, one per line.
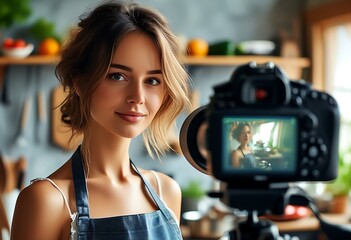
155, 225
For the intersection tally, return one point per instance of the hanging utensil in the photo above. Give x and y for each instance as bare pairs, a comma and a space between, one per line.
21, 140
41, 109
4, 73
41, 116
61, 134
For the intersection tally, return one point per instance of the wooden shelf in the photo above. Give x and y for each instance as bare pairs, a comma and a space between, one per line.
237, 60
31, 60
208, 60
293, 66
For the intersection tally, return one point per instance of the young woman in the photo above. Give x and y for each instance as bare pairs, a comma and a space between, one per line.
242, 157
122, 69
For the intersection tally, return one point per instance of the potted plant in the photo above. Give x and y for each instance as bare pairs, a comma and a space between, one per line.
340, 188
192, 194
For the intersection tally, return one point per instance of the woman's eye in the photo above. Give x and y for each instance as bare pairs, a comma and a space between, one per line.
116, 76
153, 81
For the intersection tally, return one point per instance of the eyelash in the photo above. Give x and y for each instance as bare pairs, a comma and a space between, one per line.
113, 76
154, 79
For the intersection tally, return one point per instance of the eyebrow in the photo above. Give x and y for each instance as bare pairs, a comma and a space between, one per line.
115, 65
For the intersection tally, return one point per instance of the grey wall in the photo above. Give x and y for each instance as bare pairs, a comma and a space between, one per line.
212, 20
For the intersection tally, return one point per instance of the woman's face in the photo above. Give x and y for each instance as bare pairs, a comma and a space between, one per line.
245, 135
129, 96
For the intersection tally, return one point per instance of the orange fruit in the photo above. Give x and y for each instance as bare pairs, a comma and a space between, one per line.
197, 47
49, 46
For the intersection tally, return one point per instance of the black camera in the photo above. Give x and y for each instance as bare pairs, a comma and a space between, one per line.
260, 132
294, 130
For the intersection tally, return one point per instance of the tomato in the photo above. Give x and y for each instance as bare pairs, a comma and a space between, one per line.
14, 43
19, 43
8, 43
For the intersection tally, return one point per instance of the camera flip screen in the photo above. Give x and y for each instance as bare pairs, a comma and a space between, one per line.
259, 145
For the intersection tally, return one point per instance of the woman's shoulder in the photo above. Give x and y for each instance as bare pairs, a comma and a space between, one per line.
39, 212
42, 192
46, 193
167, 188
162, 182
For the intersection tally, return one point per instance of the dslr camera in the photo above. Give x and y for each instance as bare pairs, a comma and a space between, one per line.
294, 134
260, 132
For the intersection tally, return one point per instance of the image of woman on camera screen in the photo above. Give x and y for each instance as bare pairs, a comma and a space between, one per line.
242, 156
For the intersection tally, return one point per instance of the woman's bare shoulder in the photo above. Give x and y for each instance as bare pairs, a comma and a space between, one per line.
37, 193
168, 189
42, 191
39, 212
167, 184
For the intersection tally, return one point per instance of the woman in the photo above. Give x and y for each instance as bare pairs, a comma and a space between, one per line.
243, 157
123, 73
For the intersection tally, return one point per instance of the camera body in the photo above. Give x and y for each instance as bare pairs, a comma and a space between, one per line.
293, 130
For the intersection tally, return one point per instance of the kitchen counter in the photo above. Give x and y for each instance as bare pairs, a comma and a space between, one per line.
306, 228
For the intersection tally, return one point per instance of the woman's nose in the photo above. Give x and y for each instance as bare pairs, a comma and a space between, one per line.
135, 94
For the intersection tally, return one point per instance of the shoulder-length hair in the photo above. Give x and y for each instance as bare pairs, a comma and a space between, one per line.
87, 55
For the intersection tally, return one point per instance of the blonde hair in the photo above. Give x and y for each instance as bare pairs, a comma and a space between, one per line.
87, 54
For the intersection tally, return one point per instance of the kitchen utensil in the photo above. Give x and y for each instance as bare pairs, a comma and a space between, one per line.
211, 225
4, 84
40, 133
21, 138
4, 223
61, 133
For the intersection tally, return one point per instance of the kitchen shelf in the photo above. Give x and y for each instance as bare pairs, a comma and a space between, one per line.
189, 60
237, 60
31, 60
293, 66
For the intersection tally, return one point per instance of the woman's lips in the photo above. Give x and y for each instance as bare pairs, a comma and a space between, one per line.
131, 117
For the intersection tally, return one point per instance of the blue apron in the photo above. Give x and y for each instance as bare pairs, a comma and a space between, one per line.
248, 161
155, 225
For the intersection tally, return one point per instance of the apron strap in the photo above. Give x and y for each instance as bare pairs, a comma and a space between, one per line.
81, 192
80, 189
161, 205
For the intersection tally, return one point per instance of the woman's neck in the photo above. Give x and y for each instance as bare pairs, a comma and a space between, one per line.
105, 156
244, 147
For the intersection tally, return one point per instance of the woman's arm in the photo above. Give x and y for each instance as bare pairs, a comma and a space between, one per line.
236, 156
40, 214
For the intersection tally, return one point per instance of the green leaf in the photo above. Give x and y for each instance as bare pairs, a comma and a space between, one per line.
342, 184
42, 29
13, 11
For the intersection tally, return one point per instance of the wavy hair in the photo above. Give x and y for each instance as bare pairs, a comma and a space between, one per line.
87, 54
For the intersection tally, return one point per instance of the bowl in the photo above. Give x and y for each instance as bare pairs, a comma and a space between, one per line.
260, 47
18, 52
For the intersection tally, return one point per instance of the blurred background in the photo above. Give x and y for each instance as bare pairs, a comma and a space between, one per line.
309, 39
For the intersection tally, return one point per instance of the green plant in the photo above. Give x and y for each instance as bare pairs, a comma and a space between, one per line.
12, 11
193, 191
342, 184
43, 28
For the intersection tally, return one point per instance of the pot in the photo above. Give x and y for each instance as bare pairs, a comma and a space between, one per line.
212, 224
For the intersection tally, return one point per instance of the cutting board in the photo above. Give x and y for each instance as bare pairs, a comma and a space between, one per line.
60, 132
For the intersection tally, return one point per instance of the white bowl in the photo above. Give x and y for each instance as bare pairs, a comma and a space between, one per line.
257, 47
19, 52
